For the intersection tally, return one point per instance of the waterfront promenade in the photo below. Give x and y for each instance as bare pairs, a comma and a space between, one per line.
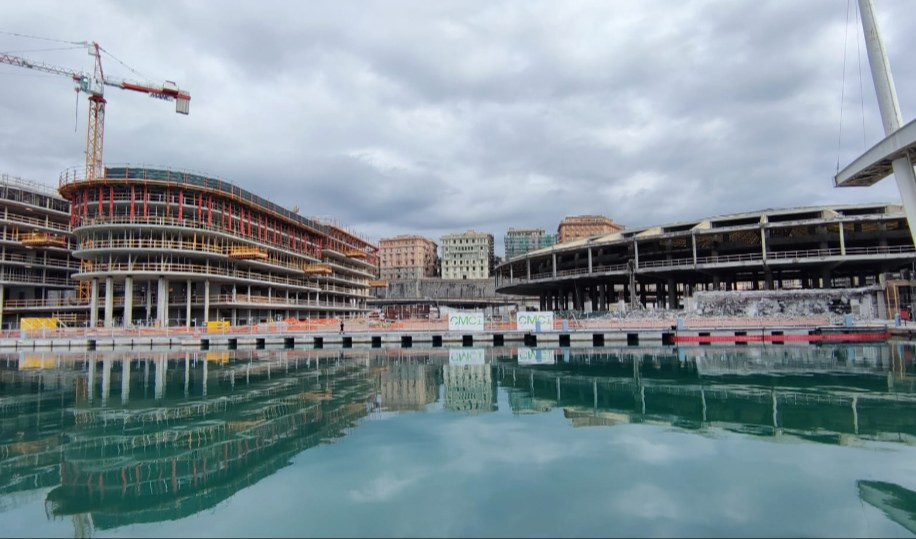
664, 330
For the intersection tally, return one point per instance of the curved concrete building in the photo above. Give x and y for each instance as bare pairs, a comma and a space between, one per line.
163, 247
809, 247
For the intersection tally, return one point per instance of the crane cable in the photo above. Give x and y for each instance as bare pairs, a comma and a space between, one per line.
41, 38
20, 51
77, 43
859, 59
132, 70
843, 89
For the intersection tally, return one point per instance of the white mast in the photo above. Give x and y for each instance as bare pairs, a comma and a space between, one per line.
890, 109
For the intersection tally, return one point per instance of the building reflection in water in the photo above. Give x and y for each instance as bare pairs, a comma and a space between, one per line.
898, 503
123, 438
829, 394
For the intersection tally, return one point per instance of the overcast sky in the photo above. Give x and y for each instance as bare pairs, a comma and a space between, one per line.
423, 117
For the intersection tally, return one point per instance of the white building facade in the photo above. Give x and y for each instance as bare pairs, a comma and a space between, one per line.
468, 255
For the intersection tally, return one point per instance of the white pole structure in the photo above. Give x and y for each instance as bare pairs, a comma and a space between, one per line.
890, 108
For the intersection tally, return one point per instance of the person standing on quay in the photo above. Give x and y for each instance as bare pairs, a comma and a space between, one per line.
341, 326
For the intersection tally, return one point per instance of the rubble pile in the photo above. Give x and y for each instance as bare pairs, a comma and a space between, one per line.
835, 303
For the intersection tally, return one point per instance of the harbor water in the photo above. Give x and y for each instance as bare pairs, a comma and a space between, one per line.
758, 440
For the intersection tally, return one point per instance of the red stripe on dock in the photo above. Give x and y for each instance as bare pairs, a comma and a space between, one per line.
817, 337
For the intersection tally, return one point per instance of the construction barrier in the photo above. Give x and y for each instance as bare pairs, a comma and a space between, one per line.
28, 324
218, 326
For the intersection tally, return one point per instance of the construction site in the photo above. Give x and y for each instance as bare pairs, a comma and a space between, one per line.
127, 246
663, 267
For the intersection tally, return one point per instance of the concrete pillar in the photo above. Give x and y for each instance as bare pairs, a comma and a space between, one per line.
768, 278
589, 259
128, 301
528, 267
187, 373
203, 382
187, 316
543, 302
825, 278
94, 303
161, 368
672, 294
106, 379
162, 303
125, 380
554, 261
842, 240
109, 302
149, 300
235, 317
206, 301
90, 380
2, 296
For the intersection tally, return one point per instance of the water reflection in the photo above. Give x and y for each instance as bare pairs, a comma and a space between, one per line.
825, 394
898, 503
125, 438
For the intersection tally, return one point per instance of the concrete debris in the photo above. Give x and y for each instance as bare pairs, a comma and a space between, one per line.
835, 303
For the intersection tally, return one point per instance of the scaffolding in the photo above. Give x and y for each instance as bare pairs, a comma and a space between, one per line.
42, 239
247, 252
317, 269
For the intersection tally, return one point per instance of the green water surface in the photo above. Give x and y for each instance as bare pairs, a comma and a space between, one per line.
633, 441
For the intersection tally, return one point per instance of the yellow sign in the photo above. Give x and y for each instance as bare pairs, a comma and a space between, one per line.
218, 326
38, 323
218, 357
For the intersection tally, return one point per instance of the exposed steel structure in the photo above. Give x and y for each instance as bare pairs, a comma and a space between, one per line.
202, 249
809, 247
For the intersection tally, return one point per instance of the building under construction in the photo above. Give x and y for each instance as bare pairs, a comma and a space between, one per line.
35, 254
809, 247
162, 247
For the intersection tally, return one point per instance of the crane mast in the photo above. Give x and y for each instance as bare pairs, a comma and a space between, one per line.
93, 85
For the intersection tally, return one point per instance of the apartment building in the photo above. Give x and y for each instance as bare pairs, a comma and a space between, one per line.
583, 226
467, 255
407, 257
522, 240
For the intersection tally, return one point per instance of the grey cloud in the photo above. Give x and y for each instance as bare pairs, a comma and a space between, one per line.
412, 117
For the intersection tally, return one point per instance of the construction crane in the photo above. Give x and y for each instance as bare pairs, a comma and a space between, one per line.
94, 85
